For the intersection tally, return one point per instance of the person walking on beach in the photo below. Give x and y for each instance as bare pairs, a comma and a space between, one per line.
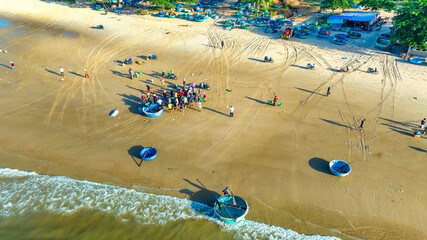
329, 91
183, 83
61, 70
200, 106
13, 65
204, 97
86, 74
361, 124
231, 111
222, 44
423, 122
275, 100
131, 73
148, 88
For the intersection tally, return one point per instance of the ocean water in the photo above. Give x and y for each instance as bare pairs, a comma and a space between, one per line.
37, 206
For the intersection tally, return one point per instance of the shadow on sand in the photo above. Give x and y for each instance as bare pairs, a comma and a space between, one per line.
256, 100
320, 165
335, 123
134, 152
305, 90
131, 101
202, 195
418, 149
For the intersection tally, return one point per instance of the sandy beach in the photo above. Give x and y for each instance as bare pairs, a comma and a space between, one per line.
275, 157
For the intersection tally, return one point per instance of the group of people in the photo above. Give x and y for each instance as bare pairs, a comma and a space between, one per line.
185, 96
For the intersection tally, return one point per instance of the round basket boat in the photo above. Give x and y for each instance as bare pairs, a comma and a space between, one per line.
323, 34
231, 209
339, 168
341, 36
148, 154
339, 41
152, 110
303, 35
416, 60
260, 24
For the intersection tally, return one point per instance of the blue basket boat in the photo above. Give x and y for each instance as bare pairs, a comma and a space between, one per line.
148, 154
161, 14
339, 168
339, 41
231, 209
323, 34
152, 110
416, 60
303, 35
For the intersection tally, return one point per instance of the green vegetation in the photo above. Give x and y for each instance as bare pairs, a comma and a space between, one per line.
374, 5
335, 4
409, 25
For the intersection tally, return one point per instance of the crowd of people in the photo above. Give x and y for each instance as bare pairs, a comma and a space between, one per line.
183, 97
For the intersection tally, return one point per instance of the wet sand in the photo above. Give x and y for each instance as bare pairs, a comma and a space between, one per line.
275, 157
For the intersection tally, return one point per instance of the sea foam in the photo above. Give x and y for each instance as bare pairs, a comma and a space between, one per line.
28, 193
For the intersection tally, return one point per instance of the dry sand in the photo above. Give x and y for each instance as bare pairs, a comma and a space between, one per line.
275, 157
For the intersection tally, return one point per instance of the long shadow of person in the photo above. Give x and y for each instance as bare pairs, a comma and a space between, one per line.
202, 195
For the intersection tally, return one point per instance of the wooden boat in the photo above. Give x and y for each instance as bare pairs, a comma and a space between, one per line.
416, 60
171, 16
244, 26
199, 19
152, 110
303, 35
341, 36
148, 153
339, 41
230, 208
182, 15
323, 34
99, 8
354, 35
339, 168
382, 43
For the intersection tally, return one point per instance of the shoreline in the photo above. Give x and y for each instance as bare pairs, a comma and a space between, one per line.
213, 163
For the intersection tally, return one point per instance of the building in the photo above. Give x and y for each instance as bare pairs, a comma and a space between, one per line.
354, 19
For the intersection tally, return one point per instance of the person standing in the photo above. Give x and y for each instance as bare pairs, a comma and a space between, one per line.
148, 88
131, 73
275, 100
61, 70
423, 121
86, 74
361, 124
200, 106
231, 111
163, 82
328, 91
204, 97
222, 44
183, 82
13, 65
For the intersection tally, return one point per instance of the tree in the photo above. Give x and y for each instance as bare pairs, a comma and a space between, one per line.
374, 5
163, 3
409, 25
335, 4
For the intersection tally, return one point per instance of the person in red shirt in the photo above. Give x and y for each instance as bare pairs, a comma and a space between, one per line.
204, 97
183, 82
180, 93
13, 65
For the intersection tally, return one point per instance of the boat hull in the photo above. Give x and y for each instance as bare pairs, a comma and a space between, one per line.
230, 214
150, 111
148, 154
339, 168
